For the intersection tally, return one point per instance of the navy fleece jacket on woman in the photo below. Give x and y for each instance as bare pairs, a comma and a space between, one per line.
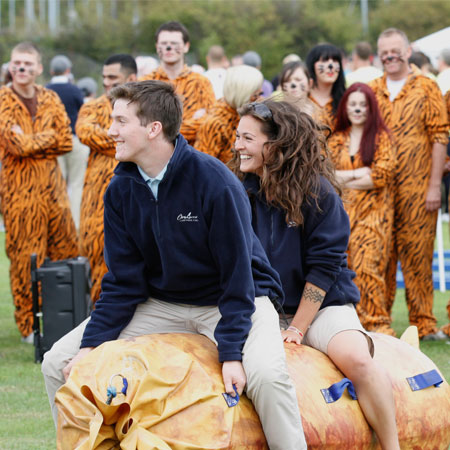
314, 252
193, 245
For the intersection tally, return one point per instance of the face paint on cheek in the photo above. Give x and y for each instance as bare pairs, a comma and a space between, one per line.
321, 68
394, 58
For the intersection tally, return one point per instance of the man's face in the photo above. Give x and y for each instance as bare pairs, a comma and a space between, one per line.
24, 68
171, 47
113, 76
130, 136
394, 52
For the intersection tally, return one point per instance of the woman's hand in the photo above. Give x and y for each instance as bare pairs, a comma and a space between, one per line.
291, 336
362, 172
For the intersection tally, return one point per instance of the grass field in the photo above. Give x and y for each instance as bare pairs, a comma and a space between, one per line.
25, 420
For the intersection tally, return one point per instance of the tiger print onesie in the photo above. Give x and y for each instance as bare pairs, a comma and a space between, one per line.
371, 217
446, 328
94, 120
417, 118
196, 92
217, 133
35, 205
324, 114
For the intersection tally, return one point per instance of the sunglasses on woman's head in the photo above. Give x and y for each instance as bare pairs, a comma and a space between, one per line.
262, 110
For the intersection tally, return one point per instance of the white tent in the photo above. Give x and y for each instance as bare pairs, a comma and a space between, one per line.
433, 44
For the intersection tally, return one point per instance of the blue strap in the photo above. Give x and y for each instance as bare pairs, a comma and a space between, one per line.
111, 391
335, 391
231, 401
424, 380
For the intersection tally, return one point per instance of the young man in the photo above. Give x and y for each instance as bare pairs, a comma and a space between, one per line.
175, 267
413, 108
34, 130
73, 164
172, 43
92, 127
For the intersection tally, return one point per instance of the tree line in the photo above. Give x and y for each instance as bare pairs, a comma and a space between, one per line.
97, 28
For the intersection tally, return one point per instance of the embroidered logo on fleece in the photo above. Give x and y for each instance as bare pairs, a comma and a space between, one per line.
188, 218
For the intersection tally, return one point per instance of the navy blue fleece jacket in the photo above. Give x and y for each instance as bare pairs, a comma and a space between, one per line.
314, 252
194, 245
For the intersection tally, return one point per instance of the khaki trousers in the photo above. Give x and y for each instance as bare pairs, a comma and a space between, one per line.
269, 386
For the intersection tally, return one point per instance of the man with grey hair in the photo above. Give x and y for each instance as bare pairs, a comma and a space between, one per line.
413, 108
443, 79
253, 59
73, 164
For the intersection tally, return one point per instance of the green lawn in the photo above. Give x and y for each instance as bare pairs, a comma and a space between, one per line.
25, 420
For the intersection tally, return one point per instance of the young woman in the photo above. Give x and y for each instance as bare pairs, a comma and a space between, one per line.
304, 229
364, 157
215, 135
324, 63
295, 84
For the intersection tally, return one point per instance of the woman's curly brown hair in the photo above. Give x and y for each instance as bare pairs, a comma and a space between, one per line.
295, 157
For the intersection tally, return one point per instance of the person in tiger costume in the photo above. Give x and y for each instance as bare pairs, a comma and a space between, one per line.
94, 120
413, 109
217, 132
324, 64
364, 157
34, 130
195, 90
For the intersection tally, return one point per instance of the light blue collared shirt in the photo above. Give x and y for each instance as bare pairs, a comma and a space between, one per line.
153, 182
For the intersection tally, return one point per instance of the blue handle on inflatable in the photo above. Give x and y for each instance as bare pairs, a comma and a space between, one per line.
424, 380
335, 391
231, 401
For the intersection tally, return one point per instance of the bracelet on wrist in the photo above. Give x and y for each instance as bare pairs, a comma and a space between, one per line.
295, 330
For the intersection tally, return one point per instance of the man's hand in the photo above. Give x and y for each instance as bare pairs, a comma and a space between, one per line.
233, 373
16, 129
433, 198
79, 356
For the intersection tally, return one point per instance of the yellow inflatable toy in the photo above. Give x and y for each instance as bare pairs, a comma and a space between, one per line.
164, 391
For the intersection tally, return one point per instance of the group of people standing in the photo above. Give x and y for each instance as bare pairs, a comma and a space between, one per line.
178, 244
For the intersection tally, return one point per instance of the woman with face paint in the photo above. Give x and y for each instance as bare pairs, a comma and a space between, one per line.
295, 84
365, 163
301, 222
324, 63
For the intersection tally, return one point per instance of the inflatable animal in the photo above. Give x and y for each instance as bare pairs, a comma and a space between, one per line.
164, 391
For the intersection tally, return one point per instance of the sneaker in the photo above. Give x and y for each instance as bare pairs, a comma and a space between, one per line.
28, 339
438, 336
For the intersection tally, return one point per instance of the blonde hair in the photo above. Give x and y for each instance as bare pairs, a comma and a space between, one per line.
27, 47
240, 84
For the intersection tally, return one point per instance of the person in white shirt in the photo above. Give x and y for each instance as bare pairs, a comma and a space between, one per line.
217, 68
362, 69
443, 79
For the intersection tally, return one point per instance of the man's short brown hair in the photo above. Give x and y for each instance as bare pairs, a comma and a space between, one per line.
173, 26
155, 101
363, 50
27, 47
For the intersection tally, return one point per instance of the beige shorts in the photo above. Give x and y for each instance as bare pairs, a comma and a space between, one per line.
328, 322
